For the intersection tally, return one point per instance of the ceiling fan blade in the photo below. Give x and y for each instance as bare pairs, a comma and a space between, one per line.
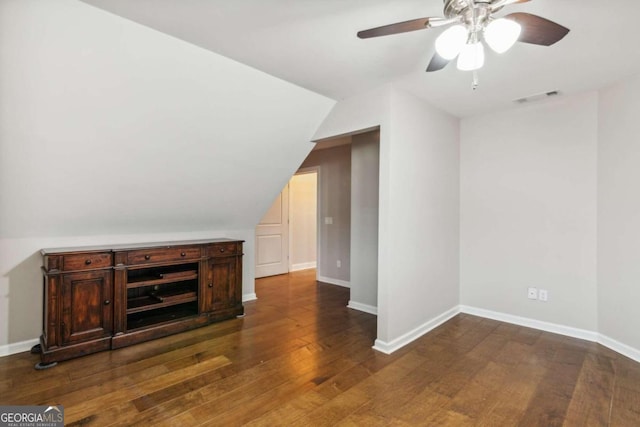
441, 22
437, 63
497, 4
400, 27
538, 30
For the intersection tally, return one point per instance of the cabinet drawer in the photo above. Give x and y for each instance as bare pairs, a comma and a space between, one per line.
222, 249
148, 256
87, 261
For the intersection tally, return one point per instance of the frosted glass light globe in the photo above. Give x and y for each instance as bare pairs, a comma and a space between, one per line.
451, 41
472, 57
501, 34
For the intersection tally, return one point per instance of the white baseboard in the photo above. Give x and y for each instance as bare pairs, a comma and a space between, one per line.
17, 347
569, 331
618, 347
303, 266
249, 297
390, 347
332, 281
363, 307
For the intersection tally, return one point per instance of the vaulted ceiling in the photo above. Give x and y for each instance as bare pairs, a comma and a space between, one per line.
313, 43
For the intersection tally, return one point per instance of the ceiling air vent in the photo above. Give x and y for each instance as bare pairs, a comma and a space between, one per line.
537, 97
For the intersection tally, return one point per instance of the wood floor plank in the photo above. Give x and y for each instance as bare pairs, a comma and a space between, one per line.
513, 395
625, 409
297, 383
292, 372
78, 396
360, 419
552, 398
31, 381
293, 409
105, 417
87, 407
593, 395
216, 395
423, 406
331, 387
344, 404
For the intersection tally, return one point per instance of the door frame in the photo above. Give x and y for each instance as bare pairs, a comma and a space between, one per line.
303, 171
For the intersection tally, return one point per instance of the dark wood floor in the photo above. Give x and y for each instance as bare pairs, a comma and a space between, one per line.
301, 358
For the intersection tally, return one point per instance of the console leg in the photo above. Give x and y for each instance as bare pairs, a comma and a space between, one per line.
42, 366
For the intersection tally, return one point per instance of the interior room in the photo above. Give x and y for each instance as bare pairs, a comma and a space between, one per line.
459, 204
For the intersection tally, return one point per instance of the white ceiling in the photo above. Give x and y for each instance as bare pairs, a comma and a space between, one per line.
313, 43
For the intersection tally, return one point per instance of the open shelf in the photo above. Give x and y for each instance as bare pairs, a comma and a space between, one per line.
162, 278
161, 298
140, 320
161, 293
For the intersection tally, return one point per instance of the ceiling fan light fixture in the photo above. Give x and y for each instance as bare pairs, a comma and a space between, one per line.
472, 57
502, 34
451, 41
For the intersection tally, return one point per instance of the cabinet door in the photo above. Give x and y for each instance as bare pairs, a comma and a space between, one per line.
87, 312
222, 277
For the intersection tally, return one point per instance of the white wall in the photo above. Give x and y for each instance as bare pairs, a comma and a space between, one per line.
335, 203
366, 111
113, 130
303, 215
365, 168
419, 237
619, 213
528, 211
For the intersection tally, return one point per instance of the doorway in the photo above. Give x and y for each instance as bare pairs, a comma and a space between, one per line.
287, 235
303, 220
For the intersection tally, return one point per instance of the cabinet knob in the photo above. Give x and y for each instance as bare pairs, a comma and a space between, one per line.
183, 254
211, 285
88, 262
147, 257
221, 249
107, 302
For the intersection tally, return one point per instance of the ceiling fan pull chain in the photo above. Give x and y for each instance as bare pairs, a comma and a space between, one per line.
476, 80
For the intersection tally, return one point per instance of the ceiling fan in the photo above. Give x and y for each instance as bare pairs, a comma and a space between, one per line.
470, 22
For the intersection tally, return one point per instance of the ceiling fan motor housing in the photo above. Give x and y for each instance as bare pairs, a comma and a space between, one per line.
460, 8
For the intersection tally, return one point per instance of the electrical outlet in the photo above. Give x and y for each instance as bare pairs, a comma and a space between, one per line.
339, 263
328, 220
532, 293
543, 295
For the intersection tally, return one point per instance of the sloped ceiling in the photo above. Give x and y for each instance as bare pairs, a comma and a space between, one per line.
108, 127
313, 44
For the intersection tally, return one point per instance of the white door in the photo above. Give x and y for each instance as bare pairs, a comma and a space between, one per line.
272, 238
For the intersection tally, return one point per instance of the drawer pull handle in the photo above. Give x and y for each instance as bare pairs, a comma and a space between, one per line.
88, 262
221, 249
107, 302
211, 285
183, 254
147, 257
